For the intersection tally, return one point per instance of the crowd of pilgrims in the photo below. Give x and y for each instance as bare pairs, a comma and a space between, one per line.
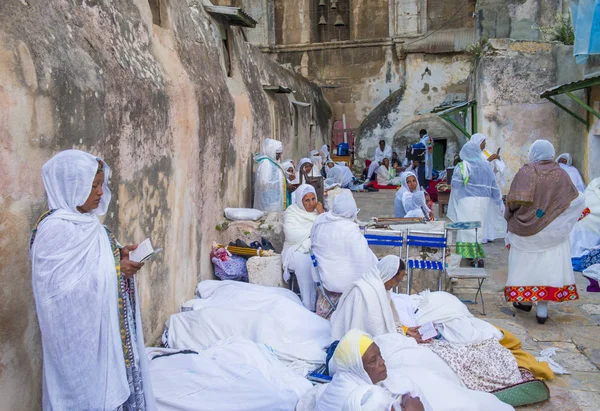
240, 346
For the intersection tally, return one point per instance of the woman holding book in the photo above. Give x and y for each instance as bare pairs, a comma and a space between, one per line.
85, 295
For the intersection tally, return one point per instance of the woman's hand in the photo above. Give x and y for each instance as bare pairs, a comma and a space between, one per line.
410, 403
128, 267
493, 157
320, 208
414, 333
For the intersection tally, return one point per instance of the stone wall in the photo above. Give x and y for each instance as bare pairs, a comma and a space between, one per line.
154, 101
508, 83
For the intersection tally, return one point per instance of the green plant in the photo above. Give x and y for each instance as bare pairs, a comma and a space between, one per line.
477, 50
246, 232
562, 31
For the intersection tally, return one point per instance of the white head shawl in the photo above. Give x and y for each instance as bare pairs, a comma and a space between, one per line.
541, 150
478, 138
470, 154
286, 165
300, 192
303, 161
317, 162
345, 206
347, 357
272, 147
567, 157
325, 151
68, 178
419, 197
336, 173
388, 267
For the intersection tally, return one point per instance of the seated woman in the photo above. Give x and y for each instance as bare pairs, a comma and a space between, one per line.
370, 307
566, 163
341, 251
305, 168
298, 220
359, 371
475, 196
384, 177
410, 201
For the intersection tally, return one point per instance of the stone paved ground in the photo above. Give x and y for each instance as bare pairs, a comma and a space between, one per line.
573, 327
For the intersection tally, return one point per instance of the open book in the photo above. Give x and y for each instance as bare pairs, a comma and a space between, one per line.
143, 252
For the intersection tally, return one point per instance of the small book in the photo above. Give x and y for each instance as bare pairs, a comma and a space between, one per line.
143, 252
427, 331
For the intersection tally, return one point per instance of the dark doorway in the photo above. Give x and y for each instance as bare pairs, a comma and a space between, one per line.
439, 154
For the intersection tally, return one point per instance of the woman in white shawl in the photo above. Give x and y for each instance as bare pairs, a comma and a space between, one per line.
370, 307
566, 163
585, 237
85, 295
384, 176
475, 196
270, 185
341, 251
410, 201
298, 220
360, 369
317, 161
543, 205
498, 166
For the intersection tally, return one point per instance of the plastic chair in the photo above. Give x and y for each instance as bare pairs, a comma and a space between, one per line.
467, 273
321, 287
425, 239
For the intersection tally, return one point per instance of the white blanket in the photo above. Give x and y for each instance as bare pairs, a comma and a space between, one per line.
366, 307
232, 375
440, 386
451, 318
265, 315
342, 252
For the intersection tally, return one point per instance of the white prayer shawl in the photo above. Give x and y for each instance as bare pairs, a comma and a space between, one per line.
366, 306
234, 374
350, 374
451, 318
384, 177
380, 155
324, 152
75, 289
347, 176
269, 185
266, 315
428, 143
317, 162
342, 252
572, 172
409, 204
475, 196
498, 166
438, 386
297, 225
586, 232
374, 398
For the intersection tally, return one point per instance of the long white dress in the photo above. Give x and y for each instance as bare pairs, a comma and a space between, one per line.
539, 266
475, 196
297, 225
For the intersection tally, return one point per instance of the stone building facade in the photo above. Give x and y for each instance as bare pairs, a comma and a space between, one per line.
173, 98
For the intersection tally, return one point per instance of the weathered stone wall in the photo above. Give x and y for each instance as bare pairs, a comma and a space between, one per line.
508, 83
157, 104
517, 19
429, 79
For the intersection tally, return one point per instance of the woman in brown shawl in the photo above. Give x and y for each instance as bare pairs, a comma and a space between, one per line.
542, 207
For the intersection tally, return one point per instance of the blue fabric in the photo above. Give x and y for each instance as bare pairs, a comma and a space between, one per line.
330, 351
426, 264
581, 263
586, 23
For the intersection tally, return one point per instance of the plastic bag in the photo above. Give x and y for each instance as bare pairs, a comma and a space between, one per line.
232, 269
237, 214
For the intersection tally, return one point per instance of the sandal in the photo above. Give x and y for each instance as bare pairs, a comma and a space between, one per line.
526, 308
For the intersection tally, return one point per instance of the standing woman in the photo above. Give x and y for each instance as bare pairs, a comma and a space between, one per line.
298, 221
475, 196
270, 185
543, 205
85, 295
566, 163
